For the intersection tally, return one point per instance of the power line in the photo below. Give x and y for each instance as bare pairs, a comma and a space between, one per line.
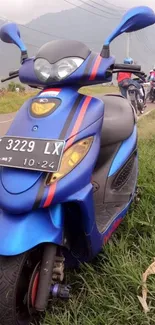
94, 7
143, 42
93, 13
136, 49
105, 7
117, 7
35, 30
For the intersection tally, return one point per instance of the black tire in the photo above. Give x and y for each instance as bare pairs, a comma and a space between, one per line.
141, 108
15, 275
134, 104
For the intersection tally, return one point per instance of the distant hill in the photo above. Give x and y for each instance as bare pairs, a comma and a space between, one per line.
80, 25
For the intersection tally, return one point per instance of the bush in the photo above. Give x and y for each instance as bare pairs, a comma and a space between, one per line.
13, 86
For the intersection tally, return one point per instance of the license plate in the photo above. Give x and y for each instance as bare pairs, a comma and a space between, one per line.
33, 154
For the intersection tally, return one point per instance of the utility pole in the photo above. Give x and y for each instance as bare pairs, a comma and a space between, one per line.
128, 45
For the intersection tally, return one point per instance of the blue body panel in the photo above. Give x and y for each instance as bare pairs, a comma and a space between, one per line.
124, 152
50, 127
23, 212
19, 233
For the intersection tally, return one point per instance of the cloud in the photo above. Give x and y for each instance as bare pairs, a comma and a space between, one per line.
23, 11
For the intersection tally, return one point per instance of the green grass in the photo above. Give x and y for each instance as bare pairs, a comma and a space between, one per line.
91, 90
11, 102
105, 292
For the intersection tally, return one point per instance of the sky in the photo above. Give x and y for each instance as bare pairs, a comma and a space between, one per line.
23, 11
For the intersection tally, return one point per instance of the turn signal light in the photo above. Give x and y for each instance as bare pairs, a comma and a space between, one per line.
71, 158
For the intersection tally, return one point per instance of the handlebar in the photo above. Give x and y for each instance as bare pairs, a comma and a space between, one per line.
11, 73
127, 67
9, 78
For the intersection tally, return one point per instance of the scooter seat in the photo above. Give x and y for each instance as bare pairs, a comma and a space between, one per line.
119, 119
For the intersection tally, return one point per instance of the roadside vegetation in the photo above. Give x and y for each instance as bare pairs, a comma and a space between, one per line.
11, 100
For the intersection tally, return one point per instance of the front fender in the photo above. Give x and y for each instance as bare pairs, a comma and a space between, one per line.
19, 233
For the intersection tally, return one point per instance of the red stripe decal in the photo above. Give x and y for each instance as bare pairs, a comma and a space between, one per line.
79, 121
50, 196
95, 67
75, 130
52, 89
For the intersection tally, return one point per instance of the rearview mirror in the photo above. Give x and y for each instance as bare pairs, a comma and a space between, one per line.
9, 33
133, 20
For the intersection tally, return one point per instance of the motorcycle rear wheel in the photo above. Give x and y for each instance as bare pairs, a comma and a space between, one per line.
134, 104
15, 280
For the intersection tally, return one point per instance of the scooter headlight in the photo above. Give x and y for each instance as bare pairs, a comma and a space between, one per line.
42, 69
71, 158
65, 67
58, 71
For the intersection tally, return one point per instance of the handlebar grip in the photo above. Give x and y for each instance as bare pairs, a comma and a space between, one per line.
9, 78
127, 66
11, 73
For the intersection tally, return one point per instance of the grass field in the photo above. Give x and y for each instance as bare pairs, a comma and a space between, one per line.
106, 291
11, 102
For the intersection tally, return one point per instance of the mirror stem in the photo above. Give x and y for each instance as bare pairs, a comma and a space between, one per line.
105, 53
24, 56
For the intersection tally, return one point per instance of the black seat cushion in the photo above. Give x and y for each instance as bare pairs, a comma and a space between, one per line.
119, 119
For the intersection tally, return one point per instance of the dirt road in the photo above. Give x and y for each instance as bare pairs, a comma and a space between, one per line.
5, 122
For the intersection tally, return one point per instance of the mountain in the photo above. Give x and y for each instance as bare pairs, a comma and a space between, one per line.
79, 24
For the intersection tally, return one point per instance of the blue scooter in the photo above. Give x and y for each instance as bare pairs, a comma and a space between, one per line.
68, 170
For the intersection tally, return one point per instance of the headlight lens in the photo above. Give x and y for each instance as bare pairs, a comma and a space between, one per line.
42, 69
71, 158
65, 67
59, 70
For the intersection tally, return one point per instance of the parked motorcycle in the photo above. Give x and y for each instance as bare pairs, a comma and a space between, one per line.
69, 168
152, 91
137, 96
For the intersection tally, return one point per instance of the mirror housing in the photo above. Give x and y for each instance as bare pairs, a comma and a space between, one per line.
134, 19
9, 33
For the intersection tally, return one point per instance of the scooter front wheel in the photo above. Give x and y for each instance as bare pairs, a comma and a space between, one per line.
16, 295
